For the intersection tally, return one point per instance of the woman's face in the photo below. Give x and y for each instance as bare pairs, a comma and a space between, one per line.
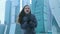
27, 9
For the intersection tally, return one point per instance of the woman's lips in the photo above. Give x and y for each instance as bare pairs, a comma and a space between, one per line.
27, 11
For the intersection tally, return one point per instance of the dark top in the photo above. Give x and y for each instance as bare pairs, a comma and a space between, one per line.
29, 22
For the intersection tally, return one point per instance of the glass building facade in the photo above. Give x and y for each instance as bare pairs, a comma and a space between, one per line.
11, 13
8, 15
43, 14
38, 9
25, 2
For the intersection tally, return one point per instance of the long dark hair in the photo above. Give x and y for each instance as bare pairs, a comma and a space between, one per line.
22, 14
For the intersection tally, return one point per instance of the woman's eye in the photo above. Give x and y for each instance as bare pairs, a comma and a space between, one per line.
25, 8
28, 8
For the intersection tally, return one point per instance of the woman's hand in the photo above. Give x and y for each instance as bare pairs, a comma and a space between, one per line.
30, 22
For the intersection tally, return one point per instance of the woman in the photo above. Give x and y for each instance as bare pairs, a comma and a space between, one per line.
27, 20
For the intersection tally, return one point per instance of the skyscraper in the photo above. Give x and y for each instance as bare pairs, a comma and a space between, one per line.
47, 16
25, 2
43, 14
11, 13
8, 15
15, 9
38, 10
0, 21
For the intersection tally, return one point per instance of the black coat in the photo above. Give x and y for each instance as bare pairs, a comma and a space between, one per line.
29, 23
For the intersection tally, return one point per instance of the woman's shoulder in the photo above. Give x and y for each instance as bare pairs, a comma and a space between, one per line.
32, 16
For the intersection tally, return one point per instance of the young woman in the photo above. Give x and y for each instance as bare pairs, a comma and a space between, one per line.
27, 20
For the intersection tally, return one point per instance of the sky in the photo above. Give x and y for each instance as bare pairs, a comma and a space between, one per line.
2, 10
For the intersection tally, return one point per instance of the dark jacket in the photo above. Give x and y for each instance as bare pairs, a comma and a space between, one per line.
29, 22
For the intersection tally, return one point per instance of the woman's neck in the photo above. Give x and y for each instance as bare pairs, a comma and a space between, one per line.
27, 14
